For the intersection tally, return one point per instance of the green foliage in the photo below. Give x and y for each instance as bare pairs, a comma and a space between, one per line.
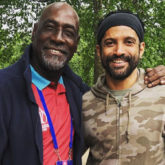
11, 51
18, 17
154, 33
16, 20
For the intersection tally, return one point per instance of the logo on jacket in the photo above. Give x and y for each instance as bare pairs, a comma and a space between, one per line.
44, 120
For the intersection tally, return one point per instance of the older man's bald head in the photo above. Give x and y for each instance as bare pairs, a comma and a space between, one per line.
59, 6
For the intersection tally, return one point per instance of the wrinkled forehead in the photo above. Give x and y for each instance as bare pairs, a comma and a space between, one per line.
61, 13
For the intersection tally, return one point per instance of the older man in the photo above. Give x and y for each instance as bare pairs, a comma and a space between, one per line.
41, 98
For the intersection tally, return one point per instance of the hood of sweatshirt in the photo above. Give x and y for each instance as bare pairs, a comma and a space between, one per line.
101, 90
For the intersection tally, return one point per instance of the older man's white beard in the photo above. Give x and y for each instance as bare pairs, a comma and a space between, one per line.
54, 63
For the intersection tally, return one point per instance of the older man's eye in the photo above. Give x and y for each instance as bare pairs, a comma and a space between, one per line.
69, 33
49, 27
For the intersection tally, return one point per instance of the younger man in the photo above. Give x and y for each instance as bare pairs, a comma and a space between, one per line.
124, 121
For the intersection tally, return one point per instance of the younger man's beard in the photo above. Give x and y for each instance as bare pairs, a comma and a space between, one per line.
114, 72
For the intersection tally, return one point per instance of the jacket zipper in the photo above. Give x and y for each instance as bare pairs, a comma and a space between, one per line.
118, 131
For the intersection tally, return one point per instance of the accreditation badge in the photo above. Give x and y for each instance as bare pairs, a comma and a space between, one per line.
65, 162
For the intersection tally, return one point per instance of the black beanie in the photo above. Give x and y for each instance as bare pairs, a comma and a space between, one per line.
118, 19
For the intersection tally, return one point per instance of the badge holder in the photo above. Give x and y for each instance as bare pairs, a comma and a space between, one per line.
67, 162
64, 162
59, 162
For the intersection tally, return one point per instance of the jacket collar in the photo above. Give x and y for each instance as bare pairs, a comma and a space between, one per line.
33, 107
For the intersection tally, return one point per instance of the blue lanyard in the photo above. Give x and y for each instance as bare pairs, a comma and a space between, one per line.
51, 124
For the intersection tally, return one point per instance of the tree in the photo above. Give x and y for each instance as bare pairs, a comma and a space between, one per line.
17, 18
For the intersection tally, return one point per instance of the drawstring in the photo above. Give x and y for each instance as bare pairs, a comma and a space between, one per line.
107, 103
128, 113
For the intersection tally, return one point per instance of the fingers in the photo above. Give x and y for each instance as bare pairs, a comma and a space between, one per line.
155, 73
155, 76
162, 80
154, 83
148, 70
